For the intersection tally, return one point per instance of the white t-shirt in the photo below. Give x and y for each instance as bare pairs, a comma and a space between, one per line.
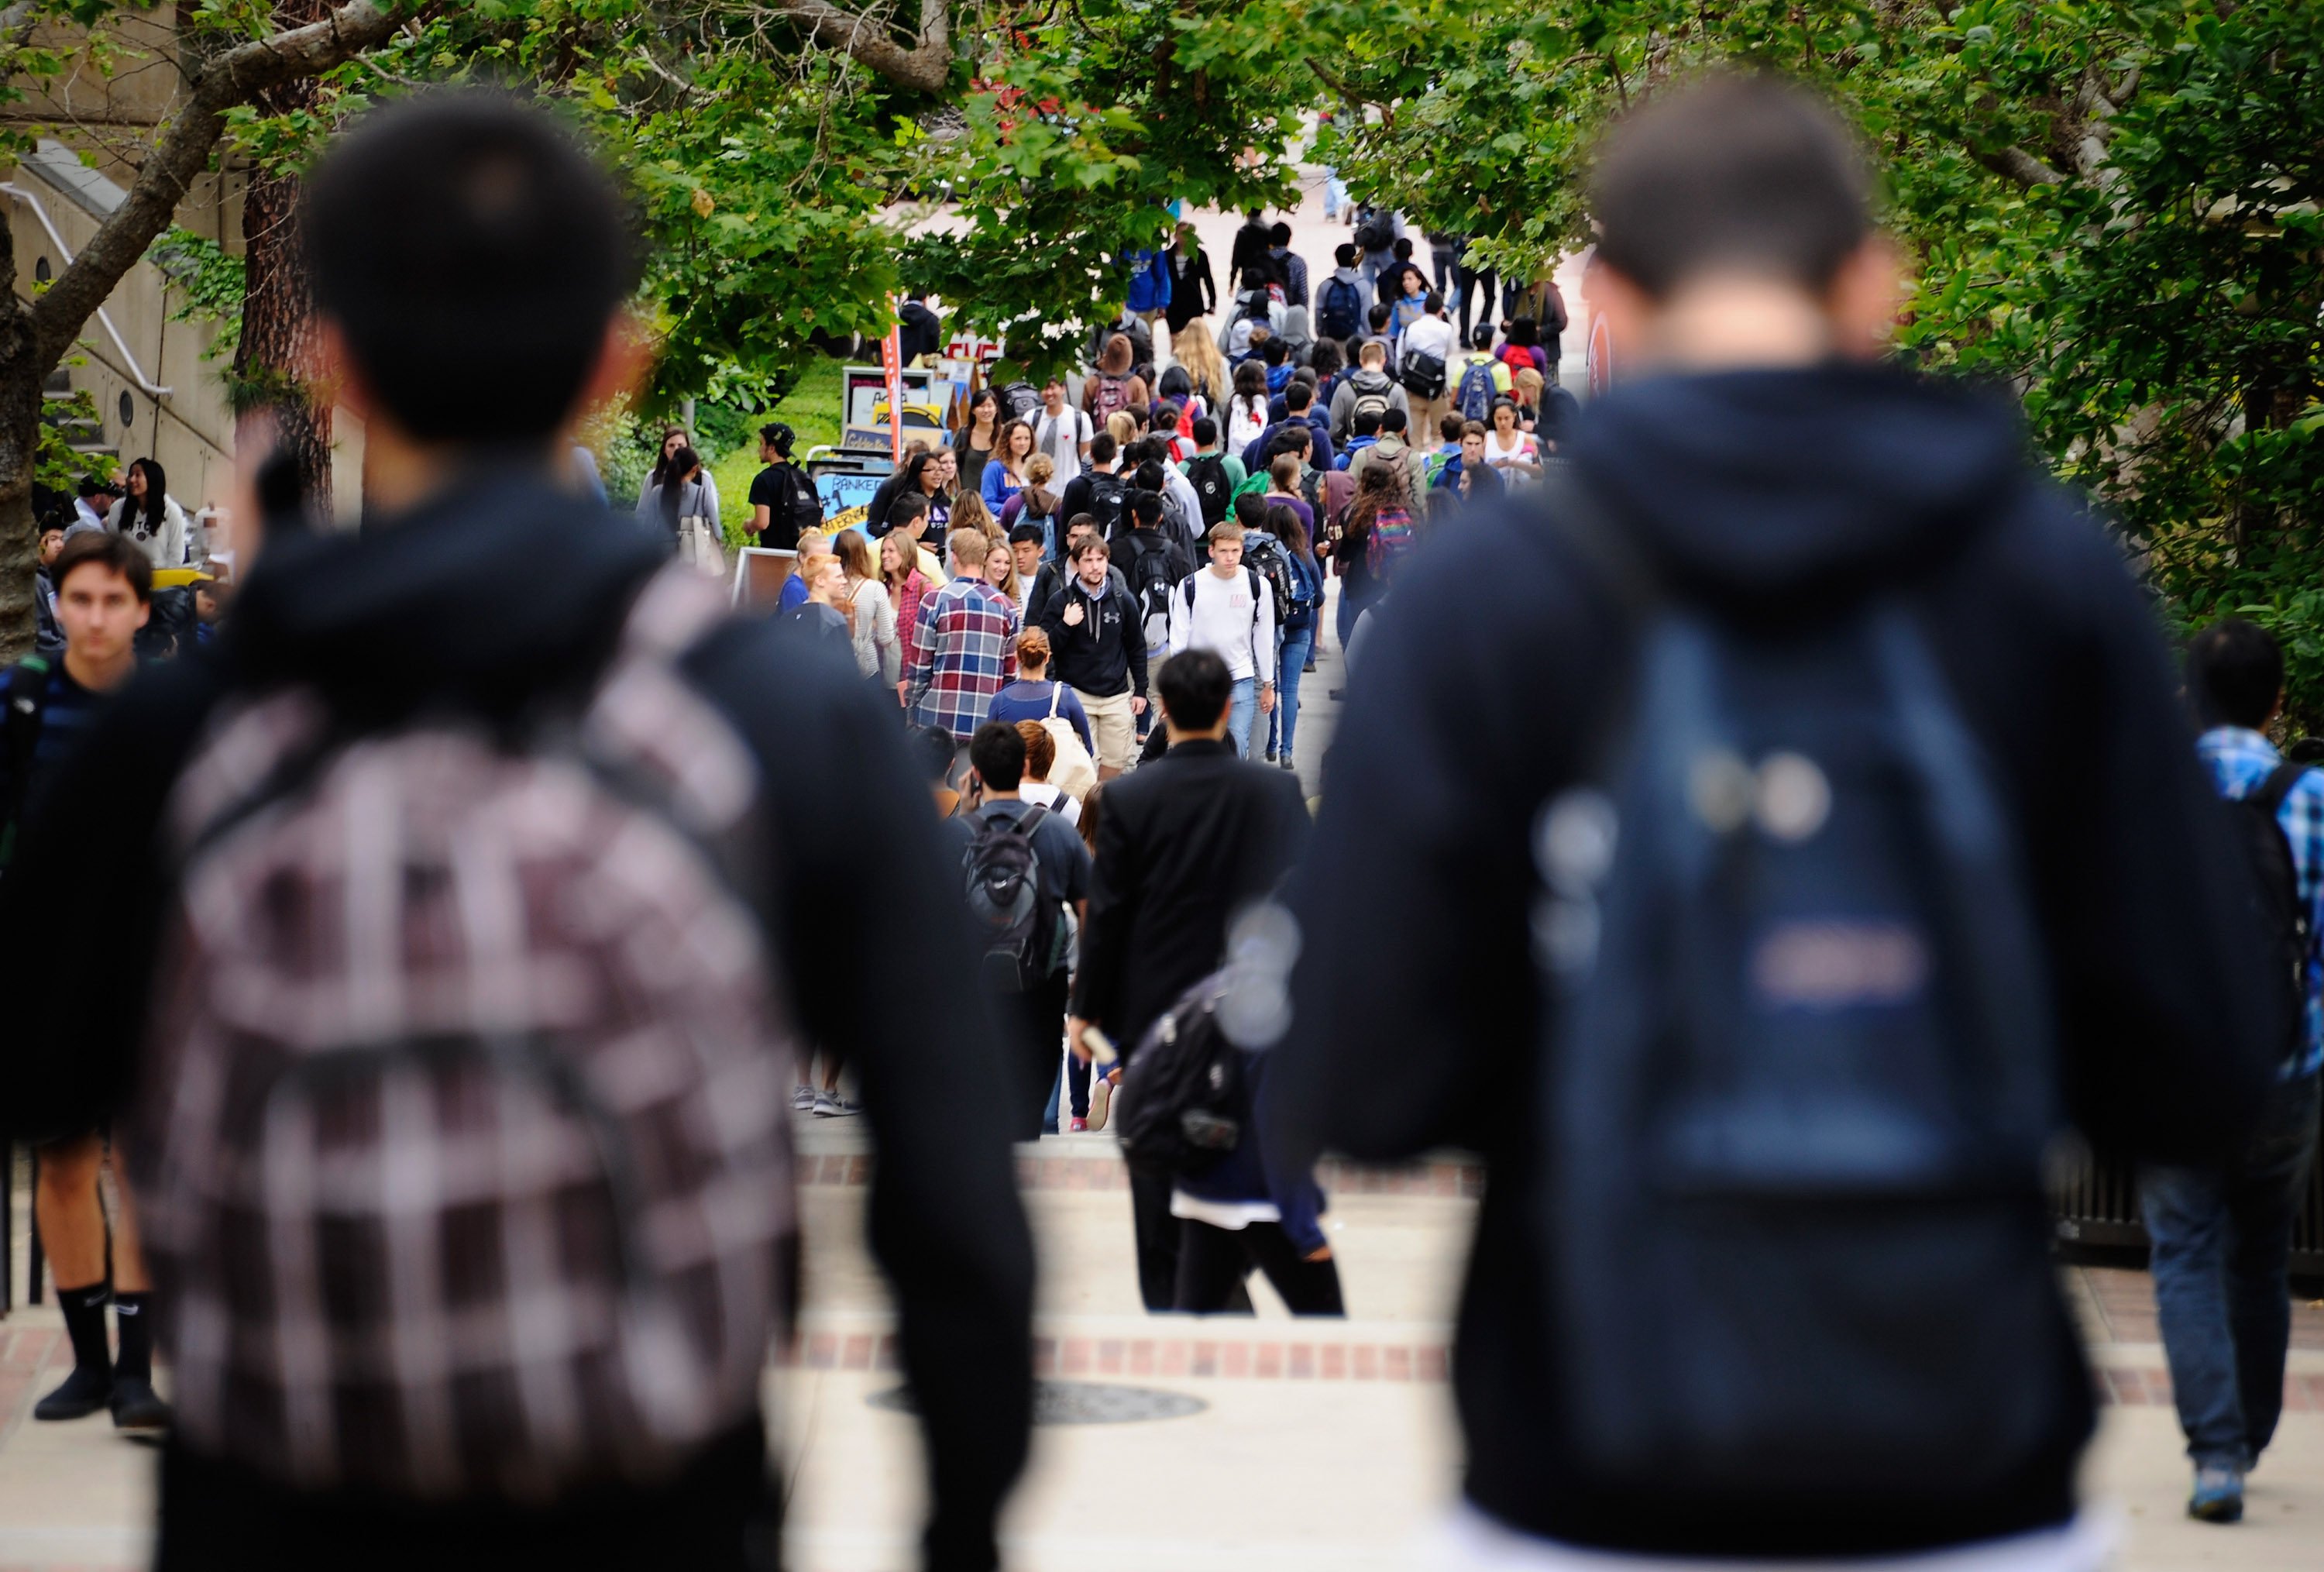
1522, 450
1221, 615
1061, 437
1432, 336
1041, 794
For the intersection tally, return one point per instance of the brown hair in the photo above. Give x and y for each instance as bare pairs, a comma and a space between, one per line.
854, 554
968, 548
1032, 649
1040, 747
1283, 472
1087, 822
116, 553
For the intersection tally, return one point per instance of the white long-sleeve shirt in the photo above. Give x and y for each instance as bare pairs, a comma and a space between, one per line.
1234, 617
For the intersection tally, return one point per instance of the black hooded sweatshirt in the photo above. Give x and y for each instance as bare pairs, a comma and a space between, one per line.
1762, 494
481, 600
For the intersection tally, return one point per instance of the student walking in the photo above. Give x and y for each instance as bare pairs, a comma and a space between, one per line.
103, 586
1787, 967
2222, 1231
1226, 610
963, 643
479, 1337
1097, 632
1183, 844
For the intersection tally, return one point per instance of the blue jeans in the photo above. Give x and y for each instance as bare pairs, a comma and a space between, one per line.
1297, 645
2222, 1241
1241, 709
1335, 194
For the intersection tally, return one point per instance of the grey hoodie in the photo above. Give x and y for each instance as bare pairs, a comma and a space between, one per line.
1360, 381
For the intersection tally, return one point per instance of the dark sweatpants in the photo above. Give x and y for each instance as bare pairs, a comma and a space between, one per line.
1212, 1263
1033, 1035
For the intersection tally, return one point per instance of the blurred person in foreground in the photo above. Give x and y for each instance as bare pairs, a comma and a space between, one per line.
399, 998
1794, 831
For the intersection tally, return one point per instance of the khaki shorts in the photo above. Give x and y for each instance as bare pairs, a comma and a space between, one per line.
1112, 725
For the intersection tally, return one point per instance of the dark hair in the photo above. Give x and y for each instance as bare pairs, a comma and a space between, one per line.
1092, 541
1284, 526
1250, 511
662, 455
1291, 441
1402, 249
453, 223
1298, 395
114, 553
1482, 339
1434, 303
1146, 507
97, 485
1206, 430
908, 505
2235, 673
1746, 173
1278, 234
1028, 535
682, 463
1524, 333
1149, 475
1326, 358
1250, 380
997, 753
1177, 385
1103, 447
1275, 351
157, 502
1394, 419
1193, 687
779, 437
1366, 423
1257, 278
1380, 314
979, 397
1450, 427
1477, 428
937, 749
1344, 254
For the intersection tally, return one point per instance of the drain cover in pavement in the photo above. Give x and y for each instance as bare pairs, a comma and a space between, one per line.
1079, 1403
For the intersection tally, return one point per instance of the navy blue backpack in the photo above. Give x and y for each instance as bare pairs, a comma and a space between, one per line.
1802, 1078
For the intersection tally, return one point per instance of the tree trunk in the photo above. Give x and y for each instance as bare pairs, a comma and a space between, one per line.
272, 362
22, 369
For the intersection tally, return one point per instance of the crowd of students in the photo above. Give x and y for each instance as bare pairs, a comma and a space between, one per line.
1759, 863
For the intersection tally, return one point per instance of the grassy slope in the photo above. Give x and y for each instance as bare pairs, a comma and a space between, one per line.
812, 411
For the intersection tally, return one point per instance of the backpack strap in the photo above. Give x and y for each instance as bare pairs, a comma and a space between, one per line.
2278, 786
1056, 696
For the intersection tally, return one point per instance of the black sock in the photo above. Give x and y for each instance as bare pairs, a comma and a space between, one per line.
83, 1310
133, 1313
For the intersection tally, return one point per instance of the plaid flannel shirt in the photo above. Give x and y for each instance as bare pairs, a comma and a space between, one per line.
963, 652
2240, 761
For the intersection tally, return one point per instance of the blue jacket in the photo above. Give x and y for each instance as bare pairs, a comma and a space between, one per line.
1252, 1172
1487, 486
1149, 285
1319, 426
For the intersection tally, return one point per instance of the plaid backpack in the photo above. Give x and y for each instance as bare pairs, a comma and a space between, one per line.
1390, 542
465, 1149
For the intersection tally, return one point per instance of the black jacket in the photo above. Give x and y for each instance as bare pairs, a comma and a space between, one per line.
1183, 844
1194, 293
1105, 652
1766, 494
480, 602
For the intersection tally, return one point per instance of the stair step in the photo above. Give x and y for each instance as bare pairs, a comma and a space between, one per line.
57, 383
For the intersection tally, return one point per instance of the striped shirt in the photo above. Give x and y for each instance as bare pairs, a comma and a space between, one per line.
963, 652
2240, 763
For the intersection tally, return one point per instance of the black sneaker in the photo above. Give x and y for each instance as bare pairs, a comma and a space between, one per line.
137, 1407
84, 1392
1270, 755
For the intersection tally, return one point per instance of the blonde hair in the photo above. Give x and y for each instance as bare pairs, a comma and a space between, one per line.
1041, 469
1198, 354
1531, 380
1032, 649
1121, 426
970, 513
968, 548
1040, 748
812, 543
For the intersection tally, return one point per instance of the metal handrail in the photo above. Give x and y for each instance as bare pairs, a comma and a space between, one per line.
136, 373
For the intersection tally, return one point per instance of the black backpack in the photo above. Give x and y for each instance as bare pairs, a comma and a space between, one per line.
1021, 932
1182, 1103
1152, 577
1207, 474
27, 697
1375, 231
169, 630
1799, 1077
1339, 313
1265, 555
1108, 494
2284, 917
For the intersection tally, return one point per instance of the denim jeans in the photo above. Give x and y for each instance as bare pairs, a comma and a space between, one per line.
2222, 1239
1241, 711
1284, 721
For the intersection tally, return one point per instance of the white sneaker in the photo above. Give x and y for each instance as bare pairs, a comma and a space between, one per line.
803, 1100
1100, 1101
831, 1105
